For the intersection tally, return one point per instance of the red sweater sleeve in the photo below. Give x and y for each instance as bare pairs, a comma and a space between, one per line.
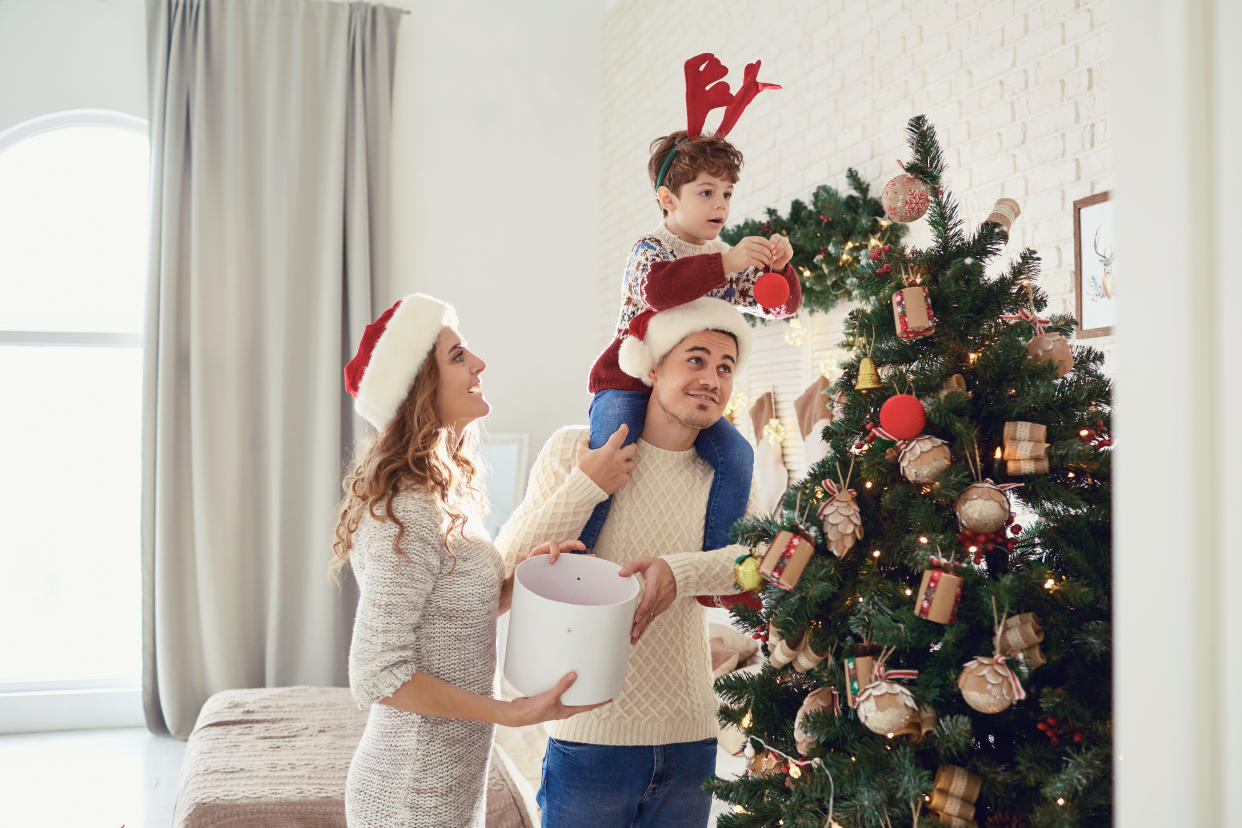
672, 283
794, 302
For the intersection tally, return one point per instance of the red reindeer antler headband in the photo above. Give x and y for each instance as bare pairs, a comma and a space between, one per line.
706, 90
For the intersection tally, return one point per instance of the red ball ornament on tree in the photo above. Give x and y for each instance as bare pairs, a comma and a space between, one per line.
771, 290
903, 416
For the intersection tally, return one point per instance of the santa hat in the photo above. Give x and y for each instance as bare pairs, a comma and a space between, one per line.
652, 335
392, 350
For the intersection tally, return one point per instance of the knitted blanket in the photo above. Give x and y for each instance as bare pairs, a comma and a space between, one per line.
278, 757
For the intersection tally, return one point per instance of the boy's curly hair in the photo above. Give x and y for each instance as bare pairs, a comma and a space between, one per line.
708, 154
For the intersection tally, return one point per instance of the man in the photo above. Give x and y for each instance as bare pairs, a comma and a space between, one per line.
642, 759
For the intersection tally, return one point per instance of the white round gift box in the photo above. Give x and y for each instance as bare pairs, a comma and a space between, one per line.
574, 615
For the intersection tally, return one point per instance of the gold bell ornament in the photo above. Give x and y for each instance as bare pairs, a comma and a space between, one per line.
868, 375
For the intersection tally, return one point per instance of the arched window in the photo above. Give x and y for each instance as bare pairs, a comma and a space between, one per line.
73, 241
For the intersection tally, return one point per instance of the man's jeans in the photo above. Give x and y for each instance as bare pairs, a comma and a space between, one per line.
623, 786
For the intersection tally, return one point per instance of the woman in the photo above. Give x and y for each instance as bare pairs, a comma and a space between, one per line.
423, 653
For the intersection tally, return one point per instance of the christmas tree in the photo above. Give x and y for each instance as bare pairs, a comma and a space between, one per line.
831, 240
930, 660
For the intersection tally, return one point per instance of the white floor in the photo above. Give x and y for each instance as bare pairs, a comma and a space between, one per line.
89, 778
116, 779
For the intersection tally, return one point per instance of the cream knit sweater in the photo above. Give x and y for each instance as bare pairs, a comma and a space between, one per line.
668, 694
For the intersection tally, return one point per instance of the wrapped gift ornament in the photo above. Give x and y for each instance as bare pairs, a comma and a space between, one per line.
953, 795
988, 685
1018, 431
858, 673
955, 384
1021, 635
1051, 347
939, 593
912, 313
924, 458
1025, 451
785, 559
823, 698
575, 616
884, 706
782, 651
1020, 468
808, 657
1004, 212
842, 521
905, 198
924, 722
983, 507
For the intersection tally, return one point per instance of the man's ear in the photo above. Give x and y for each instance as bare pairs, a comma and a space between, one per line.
651, 376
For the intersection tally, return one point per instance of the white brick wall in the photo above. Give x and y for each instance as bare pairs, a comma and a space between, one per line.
1017, 89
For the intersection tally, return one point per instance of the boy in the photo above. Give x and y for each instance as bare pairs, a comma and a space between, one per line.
682, 260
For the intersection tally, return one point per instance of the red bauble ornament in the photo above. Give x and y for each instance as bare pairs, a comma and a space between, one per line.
771, 290
903, 416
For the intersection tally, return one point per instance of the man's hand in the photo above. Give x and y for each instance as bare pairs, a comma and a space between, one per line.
552, 549
782, 252
609, 466
659, 590
752, 251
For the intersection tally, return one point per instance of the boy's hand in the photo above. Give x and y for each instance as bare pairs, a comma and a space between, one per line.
782, 252
752, 251
609, 466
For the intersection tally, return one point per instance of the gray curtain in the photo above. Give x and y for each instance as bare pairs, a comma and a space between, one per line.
269, 226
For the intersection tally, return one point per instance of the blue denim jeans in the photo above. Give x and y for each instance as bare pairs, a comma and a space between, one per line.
722, 446
624, 786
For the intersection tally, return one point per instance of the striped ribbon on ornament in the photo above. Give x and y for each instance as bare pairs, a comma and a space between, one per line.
1029, 315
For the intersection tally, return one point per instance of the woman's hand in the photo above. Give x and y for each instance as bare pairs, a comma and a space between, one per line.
609, 466
552, 549
547, 705
659, 591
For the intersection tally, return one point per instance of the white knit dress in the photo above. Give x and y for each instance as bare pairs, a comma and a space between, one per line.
414, 614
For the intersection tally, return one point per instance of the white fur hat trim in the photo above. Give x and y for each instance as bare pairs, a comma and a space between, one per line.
668, 327
398, 354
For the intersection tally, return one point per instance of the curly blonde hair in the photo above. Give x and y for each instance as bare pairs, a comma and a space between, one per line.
415, 450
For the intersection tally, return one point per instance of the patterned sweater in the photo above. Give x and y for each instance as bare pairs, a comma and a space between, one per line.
428, 610
668, 694
663, 271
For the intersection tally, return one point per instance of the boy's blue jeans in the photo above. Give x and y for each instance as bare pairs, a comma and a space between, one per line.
721, 445
626, 785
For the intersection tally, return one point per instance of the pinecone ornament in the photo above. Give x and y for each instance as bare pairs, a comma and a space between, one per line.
841, 519
924, 458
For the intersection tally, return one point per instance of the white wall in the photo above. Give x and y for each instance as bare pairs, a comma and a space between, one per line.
495, 161
1017, 89
495, 167
72, 54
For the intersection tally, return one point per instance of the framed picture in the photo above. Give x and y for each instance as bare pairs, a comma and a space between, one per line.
505, 457
1095, 279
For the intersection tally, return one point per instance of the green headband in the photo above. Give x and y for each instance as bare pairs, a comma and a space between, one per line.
668, 162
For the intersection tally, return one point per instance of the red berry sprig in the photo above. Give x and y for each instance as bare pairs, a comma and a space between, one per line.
978, 543
1096, 437
1056, 730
